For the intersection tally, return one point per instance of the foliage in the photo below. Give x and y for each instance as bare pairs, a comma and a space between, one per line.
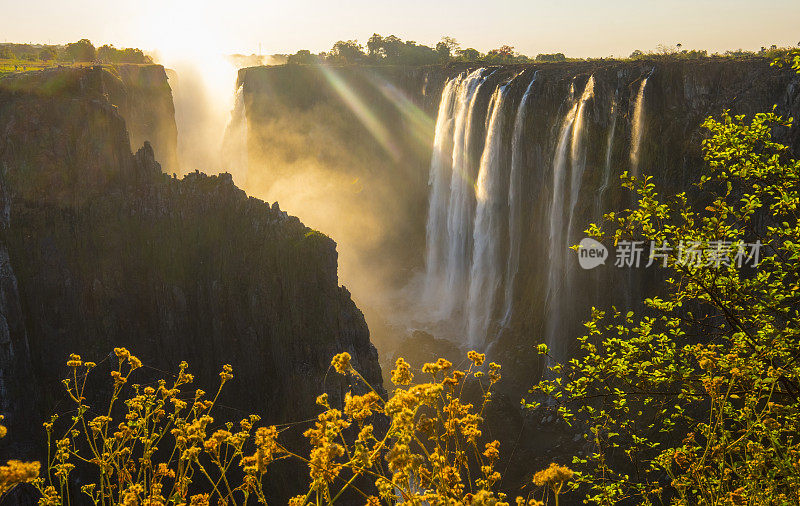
697, 400
15, 471
469, 54
159, 445
551, 57
81, 51
503, 54
447, 48
303, 57
347, 51
110, 54
790, 58
48, 54
393, 50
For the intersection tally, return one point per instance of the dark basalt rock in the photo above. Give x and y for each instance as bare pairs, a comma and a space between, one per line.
680, 94
100, 249
284, 102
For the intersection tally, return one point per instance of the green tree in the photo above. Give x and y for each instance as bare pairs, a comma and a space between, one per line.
443, 51
47, 54
347, 51
551, 57
503, 54
469, 54
107, 54
375, 46
6, 53
302, 57
447, 47
697, 399
81, 51
391, 47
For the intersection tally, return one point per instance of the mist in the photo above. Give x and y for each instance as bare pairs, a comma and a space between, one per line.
203, 92
320, 161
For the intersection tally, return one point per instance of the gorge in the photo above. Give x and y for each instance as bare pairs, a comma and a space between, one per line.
509, 166
453, 194
101, 249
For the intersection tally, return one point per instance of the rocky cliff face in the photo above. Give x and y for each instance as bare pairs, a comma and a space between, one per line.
348, 113
369, 122
145, 102
140, 93
99, 249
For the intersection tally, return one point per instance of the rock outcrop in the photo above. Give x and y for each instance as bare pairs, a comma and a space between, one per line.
100, 249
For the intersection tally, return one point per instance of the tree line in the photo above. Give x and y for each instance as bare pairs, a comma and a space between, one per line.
392, 50
75, 52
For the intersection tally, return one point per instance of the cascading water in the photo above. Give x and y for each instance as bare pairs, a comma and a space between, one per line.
476, 209
578, 152
607, 167
462, 197
557, 243
441, 169
485, 275
637, 128
515, 203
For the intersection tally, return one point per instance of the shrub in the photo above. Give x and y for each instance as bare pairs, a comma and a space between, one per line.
697, 399
157, 444
15, 471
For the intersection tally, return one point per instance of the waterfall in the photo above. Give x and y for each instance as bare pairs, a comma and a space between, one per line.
569, 155
514, 202
556, 226
451, 202
485, 273
234, 141
578, 152
637, 128
462, 196
439, 179
475, 209
609, 151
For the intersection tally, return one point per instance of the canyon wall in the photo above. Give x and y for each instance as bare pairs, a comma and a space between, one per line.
476, 227
145, 101
100, 249
496, 275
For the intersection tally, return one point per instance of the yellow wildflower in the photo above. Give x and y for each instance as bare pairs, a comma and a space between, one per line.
402, 374
554, 476
359, 407
476, 358
15, 472
341, 363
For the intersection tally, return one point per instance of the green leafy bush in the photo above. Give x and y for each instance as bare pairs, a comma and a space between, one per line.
697, 399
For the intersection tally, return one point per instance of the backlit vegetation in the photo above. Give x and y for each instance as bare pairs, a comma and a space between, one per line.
696, 400
160, 444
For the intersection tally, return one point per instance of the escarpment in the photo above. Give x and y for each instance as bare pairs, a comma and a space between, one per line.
100, 249
562, 134
518, 161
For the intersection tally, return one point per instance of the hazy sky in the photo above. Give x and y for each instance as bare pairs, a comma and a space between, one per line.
577, 27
